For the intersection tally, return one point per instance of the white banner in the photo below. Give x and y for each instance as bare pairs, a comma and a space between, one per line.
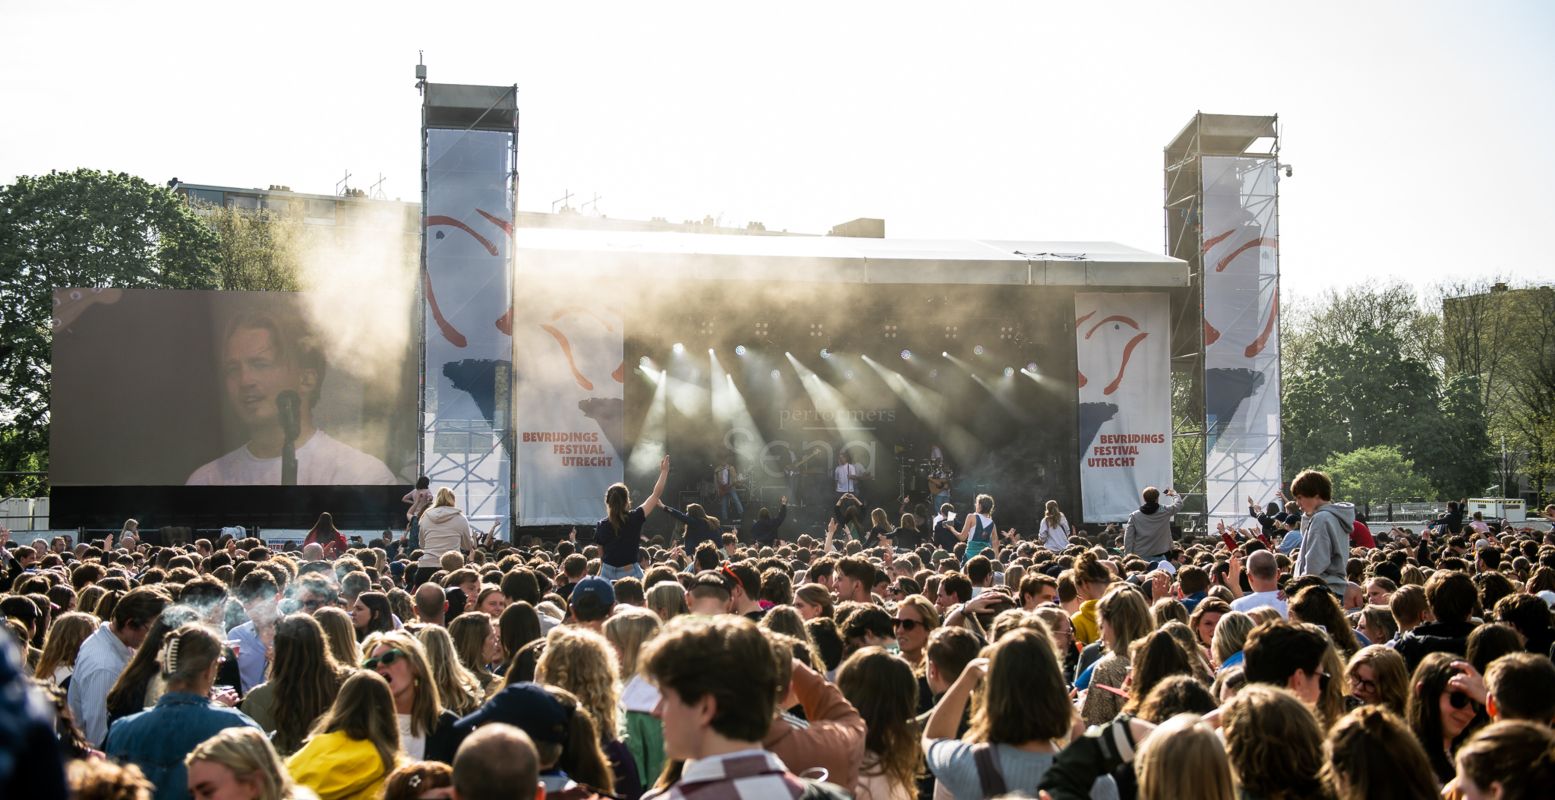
1241, 334
569, 401
1125, 384
469, 348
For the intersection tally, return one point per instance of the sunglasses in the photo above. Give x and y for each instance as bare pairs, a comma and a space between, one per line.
386, 659
906, 624
1460, 700
1322, 681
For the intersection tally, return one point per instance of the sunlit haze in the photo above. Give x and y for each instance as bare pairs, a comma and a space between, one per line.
1419, 133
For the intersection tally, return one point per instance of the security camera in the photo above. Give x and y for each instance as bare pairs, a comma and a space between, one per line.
1288, 170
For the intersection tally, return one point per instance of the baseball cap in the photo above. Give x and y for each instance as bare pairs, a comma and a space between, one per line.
527, 706
592, 594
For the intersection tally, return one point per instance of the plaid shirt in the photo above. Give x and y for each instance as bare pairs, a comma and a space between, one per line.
744, 775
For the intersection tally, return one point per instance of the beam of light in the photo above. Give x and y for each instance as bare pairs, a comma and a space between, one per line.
732, 418
650, 444
1003, 394
827, 400
934, 410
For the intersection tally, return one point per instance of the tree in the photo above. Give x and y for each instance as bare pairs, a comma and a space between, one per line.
1376, 475
78, 229
257, 250
1366, 371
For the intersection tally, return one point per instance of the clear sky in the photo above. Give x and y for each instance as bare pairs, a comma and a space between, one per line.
1420, 132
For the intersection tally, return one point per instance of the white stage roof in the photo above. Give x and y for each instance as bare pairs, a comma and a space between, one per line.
834, 259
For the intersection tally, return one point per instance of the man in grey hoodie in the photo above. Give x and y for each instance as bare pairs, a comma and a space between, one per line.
1326, 526
1149, 530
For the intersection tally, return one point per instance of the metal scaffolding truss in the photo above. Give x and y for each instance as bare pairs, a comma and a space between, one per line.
1204, 135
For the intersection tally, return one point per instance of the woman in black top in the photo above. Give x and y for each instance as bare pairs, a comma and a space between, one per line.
699, 527
620, 534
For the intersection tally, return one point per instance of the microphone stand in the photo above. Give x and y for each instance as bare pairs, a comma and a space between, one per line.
289, 460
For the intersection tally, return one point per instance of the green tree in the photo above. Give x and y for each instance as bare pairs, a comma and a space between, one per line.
1376, 475
78, 229
257, 250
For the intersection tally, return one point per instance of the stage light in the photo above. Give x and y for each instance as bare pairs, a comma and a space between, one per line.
848, 374
777, 376
645, 362
825, 352
945, 353
740, 350
787, 354
711, 352
979, 350
933, 373
1009, 372
679, 348
906, 355
1032, 367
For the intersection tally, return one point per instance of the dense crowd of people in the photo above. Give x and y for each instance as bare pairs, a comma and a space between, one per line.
1298, 655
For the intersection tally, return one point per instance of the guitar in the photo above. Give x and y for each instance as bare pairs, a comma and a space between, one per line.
798, 466
726, 489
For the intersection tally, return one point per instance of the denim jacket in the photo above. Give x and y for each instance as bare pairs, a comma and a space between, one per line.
157, 740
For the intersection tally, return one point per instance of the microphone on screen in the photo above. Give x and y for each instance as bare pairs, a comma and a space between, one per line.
289, 407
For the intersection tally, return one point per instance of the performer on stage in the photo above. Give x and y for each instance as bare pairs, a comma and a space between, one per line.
939, 477
846, 475
724, 478
263, 359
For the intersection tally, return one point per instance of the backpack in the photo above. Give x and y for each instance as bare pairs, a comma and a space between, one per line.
990, 779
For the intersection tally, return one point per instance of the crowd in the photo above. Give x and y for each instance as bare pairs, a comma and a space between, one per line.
1297, 657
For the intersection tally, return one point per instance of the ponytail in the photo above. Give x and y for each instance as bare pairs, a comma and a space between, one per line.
617, 497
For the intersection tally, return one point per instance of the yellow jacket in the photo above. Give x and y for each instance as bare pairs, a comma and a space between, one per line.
337, 767
1086, 627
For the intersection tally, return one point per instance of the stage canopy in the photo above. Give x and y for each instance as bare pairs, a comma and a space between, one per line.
832, 259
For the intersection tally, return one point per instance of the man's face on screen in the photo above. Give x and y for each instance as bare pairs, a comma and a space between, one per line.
255, 373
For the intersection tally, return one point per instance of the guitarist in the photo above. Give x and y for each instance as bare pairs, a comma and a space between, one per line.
724, 478
794, 470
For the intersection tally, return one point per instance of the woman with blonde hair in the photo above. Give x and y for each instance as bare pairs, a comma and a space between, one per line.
1183, 759
457, 687
915, 619
302, 683
581, 661
61, 646
667, 599
814, 600
1370, 753
478, 647
339, 635
884, 690
423, 721
1225, 647
444, 529
239, 762
1124, 619
628, 630
1377, 675
355, 745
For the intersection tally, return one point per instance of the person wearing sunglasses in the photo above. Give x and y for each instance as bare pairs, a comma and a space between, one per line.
1441, 715
424, 724
915, 619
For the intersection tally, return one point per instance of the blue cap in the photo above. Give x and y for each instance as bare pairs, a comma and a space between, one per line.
593, 591
527, 706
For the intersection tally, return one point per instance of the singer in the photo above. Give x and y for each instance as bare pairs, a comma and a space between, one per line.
273, 374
